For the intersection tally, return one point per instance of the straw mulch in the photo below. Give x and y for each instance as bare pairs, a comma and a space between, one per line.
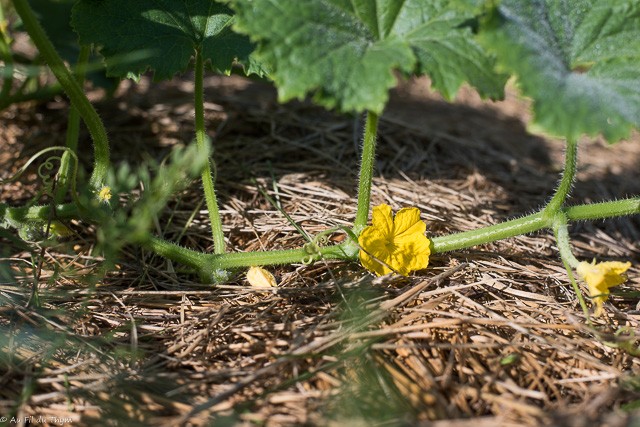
483, 337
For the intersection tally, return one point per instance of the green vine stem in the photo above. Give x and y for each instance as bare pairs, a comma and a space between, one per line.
603, 210
503, 230
366, 172
455, 241
17, 216
205, 262
207, 178
533, 222
568, 175
345, 251
561, 232
72, 89
73, 129
209, 264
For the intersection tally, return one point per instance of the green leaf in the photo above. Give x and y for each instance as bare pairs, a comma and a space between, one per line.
346, 51
55, 17
161, 35
578, 59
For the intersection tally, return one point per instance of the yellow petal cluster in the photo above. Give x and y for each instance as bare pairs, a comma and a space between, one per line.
104, 195
601, 276
261, 278
394, 244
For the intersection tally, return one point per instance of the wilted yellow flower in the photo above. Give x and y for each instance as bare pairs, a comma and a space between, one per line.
601, 276
261, 278
56, 228
394, 244
104, 195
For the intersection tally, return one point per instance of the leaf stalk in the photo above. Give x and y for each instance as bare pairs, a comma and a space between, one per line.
561, 232
568, 176
72, 89
366, 172
219, 246
73, 130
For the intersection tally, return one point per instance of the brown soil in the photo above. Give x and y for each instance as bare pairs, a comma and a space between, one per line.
488, 336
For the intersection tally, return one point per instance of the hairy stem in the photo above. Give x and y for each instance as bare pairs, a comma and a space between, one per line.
175, 252
533, 222
202, 261
343, 251
467, 239
13, 216
366, 172
302, 255
72, 89
73, 130
518, 226
17, 216
568, 175
207, 178
603, 210
561, 231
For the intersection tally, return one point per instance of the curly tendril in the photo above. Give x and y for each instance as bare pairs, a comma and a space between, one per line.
48, 163
313, 252
313, 247
46, 168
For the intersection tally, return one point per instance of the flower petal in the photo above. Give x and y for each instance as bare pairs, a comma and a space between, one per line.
394, 244
382, 220
407, 221
601, 276
414, 252
375, 245
373, 264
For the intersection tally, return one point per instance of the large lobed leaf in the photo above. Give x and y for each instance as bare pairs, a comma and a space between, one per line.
162, 35
55, 17
578, 59
346, 51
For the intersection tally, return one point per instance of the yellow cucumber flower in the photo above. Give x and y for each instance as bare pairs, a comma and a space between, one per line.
394, 244
601, 276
